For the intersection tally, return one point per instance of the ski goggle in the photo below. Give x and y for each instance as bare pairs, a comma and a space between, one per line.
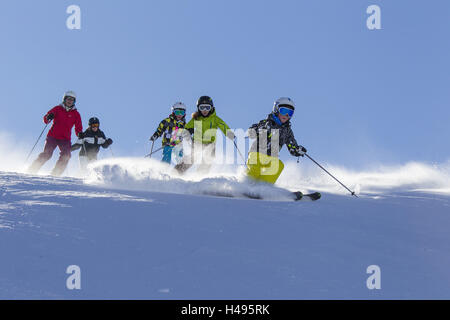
179, 112
204, 107
95, 125
286, 111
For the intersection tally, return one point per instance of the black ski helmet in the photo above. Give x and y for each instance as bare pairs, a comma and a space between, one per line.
94, 120
205, 100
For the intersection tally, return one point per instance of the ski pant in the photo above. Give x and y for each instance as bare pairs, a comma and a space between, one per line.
207, 153
265, 168
167, 153
50, 146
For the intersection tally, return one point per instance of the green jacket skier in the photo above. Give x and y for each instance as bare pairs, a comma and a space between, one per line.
203, 126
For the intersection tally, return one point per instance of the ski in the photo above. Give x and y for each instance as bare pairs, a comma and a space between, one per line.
298, 196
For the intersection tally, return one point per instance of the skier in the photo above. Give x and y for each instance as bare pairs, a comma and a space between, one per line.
203, 126
271, 134
171, 129
90, 142
65, 116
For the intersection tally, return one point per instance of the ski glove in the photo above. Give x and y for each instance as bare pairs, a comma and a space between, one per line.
108, 143
154, 137
81, 135
299, 151
231, 135
50, 117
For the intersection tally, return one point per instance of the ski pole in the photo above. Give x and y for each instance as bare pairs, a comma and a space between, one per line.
151, 150
242, 157
150, 154
37, 142
159, 149
352, 192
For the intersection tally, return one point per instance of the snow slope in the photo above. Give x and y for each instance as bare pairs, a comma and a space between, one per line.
139, 232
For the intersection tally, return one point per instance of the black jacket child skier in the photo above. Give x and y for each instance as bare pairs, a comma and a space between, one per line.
271, 134
171, 129
90, 142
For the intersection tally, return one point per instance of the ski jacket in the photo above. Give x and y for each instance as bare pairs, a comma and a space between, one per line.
205, 128
271, 135
92, 142
170, 129
63, 122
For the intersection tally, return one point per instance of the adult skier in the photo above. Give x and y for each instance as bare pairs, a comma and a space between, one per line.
64, 116
271, 134
90, 142
203, 126
171, 129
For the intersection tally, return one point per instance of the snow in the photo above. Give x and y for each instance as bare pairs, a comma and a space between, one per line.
139, 231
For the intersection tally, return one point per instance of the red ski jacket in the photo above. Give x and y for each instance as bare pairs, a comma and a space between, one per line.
63, 123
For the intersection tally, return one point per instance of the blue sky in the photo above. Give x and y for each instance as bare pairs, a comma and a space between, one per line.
363, 97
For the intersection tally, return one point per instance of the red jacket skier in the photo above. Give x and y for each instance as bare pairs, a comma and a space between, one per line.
64, 116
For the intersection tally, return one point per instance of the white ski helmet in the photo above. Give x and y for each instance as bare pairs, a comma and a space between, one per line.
283, 101
178, 106
70, 94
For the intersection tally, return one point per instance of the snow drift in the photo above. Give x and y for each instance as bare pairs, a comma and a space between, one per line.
151, 175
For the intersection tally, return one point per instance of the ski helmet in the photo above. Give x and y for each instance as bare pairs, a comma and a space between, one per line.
94, 120
205, 100
70, 94
283, 102
178, 106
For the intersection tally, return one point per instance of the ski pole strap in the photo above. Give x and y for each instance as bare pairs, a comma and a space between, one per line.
352, 192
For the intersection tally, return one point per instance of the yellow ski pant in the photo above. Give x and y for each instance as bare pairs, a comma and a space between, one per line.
263, 167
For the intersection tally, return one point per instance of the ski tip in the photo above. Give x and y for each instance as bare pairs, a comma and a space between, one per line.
311, 196
316, 195
298, 195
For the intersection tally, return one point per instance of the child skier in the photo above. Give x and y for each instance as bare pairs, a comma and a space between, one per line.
271, 134
203, 126
90, 142
171, 131
64, 116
